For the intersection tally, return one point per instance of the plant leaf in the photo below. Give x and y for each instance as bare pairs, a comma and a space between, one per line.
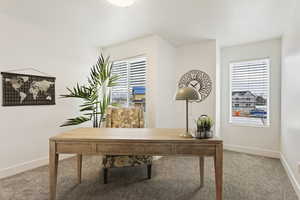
87, 108
76, 121
94, 101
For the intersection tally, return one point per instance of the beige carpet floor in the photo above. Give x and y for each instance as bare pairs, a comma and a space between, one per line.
246, 177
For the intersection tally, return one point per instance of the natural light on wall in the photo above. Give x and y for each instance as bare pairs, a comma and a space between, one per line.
122, 3
249, 95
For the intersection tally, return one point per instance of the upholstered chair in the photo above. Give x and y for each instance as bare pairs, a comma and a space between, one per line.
125, 118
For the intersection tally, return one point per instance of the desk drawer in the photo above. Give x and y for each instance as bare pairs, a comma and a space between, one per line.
74, 148
158, 149
194, 149
135, 149
120, 148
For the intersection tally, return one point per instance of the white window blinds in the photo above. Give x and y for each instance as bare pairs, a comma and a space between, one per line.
131, 73
250, 92
137, 73
120, 92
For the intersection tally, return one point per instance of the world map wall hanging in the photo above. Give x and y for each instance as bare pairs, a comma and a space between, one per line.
24, 89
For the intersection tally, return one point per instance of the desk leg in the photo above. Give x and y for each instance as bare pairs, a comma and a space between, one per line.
219, 171
79, 167
201, 167
53, 164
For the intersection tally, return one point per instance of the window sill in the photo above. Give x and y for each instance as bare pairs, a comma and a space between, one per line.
233, 124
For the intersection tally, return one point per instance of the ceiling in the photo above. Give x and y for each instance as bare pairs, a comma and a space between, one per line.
99, 23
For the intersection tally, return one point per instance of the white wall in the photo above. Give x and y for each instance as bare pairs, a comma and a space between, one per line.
166, 64
159, 75
25, 130
258, 140
290, 135
166, 85
200, 56
218, 91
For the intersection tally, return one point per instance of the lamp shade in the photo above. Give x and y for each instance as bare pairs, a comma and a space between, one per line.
187, 93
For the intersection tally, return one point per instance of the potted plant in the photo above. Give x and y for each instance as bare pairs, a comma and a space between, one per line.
204, 125
96, 94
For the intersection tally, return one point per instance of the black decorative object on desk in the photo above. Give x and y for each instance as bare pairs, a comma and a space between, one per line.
204, 125
24, 89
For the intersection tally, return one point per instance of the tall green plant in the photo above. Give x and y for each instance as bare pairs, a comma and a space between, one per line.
95, 95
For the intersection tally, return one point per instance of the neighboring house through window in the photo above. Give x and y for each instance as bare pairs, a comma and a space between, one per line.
249, 84
131, 85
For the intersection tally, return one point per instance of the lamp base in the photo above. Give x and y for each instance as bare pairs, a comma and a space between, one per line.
186, 135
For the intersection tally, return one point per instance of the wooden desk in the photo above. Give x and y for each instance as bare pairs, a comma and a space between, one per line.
160, 142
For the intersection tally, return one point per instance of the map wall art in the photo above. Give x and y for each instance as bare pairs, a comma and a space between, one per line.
24, 89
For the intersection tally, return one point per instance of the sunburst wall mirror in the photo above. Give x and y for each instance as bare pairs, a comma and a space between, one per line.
198, 80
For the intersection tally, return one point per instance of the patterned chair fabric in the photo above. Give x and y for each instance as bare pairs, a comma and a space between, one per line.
125, 118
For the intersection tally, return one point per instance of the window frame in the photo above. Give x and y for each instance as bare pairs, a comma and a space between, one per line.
128, 61
249, 124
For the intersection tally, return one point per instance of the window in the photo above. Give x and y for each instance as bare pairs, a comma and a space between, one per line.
130, 89
249, 100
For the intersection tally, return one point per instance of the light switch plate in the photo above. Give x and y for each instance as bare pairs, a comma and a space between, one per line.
298, 167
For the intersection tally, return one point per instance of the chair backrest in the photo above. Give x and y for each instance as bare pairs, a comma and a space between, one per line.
124, 117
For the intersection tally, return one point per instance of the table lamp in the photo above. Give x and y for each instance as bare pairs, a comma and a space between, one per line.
187, 94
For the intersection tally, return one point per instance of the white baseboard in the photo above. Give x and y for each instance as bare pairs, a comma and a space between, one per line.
252, 150
291, 176
16, 169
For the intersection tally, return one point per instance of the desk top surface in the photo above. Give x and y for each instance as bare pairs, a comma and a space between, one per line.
128, 135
